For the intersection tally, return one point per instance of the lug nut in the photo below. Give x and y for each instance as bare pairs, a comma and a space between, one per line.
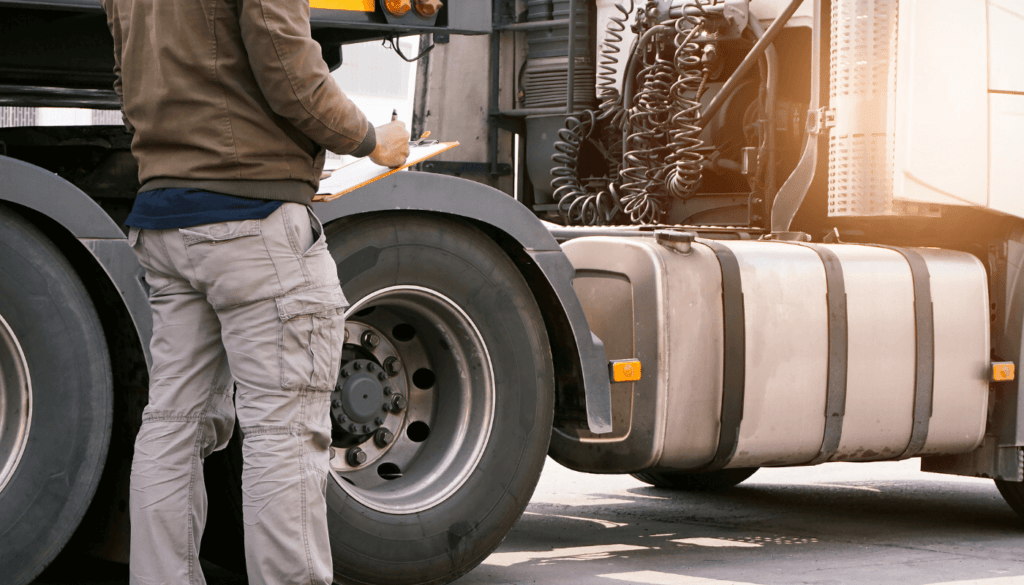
392, 366
336, 403
371, 368
379, 420
370, 340
345, 373
355, 457
382, 376
352, 428
357, 366
366, 428
398, 403
388, 390
343, 419
383, 437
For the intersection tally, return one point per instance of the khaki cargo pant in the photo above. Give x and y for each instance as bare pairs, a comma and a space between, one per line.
253, 305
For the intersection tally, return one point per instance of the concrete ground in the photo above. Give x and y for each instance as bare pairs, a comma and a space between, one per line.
833, 524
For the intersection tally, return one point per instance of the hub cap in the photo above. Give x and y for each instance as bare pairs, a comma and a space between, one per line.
15, 403
413, 413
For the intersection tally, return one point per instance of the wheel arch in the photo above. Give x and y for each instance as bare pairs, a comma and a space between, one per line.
583, 393
76, 224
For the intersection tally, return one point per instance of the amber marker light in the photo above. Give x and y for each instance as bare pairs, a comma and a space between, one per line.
1002, 371
624, 370
398, 7
427, 8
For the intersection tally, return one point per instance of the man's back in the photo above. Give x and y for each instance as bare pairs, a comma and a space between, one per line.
230, 96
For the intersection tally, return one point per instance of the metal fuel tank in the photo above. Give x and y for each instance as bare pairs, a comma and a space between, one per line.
758, 353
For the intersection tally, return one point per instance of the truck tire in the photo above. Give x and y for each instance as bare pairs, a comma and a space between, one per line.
464, 462
1013, 493
709, 481
57, 405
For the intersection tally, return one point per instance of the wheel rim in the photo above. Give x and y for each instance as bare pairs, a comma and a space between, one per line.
444, 387
15, 403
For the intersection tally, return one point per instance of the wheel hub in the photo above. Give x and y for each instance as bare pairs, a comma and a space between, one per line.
418, 362
360, 402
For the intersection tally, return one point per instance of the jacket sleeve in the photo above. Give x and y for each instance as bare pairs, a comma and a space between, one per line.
113, 22
294, 79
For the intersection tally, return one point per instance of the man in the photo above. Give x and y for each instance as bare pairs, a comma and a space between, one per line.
232, 106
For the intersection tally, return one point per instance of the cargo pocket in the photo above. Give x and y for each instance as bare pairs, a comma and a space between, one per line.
312, 334
231, 262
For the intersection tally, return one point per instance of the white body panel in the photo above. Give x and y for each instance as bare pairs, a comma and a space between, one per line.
941, 130
948, 129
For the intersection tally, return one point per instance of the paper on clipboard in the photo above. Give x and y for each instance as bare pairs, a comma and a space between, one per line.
364, 171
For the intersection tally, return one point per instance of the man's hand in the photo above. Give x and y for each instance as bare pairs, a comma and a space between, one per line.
392, 145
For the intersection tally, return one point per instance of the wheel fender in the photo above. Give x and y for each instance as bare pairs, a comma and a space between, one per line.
413, 191
37, 189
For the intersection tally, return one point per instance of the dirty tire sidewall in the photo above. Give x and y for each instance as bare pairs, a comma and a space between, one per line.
49, 311
442, 543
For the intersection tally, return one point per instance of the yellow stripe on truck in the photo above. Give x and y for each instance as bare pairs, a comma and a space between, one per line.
356, 5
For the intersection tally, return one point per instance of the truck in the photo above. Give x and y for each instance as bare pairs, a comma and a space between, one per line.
682, 239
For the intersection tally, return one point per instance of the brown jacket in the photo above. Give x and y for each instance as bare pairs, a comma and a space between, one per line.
230, 96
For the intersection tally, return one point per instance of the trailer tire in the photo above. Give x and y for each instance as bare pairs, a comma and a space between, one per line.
1013, 493
434, 542
708, 481
55, 372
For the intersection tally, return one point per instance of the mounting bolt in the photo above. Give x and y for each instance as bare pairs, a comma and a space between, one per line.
382, 376
352, 428
355, 457
345, 373
357, 366
336, 403
388, 391
371, 368
392, 366
346, 335
366, 428
343, 419
379, 420
370, 340
383, 437
398, 403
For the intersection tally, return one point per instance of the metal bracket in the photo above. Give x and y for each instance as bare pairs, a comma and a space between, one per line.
820, 120
988, 460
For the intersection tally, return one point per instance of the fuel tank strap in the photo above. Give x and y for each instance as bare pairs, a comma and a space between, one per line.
734, 357
838, 344
924, 379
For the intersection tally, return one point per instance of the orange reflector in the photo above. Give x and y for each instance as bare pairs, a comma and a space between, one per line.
353, 5
398, 7
1002, 371
624, 370
427, 8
